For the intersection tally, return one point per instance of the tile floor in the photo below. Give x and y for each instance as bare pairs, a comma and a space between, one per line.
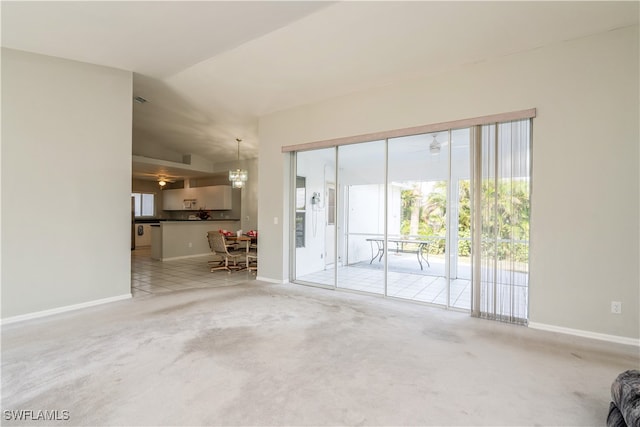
407, 281
149, 276
416, 287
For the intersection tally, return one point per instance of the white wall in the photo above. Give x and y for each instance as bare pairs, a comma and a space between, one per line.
317, 170
249, 193
147, 145
66, 182
585, 227
366, 216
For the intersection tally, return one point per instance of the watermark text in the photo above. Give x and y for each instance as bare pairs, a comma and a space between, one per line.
36, 415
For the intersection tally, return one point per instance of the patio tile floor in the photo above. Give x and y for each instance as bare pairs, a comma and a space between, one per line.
418, 286
406, 280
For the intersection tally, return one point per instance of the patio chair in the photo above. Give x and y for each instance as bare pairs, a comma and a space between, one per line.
218, 246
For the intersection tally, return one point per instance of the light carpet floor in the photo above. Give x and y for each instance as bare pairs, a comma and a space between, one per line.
262, 354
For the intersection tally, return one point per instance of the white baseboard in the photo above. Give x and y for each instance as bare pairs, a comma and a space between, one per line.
37, 314
586, 334
186, 256
268, 280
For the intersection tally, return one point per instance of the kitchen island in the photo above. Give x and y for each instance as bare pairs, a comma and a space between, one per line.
184, 239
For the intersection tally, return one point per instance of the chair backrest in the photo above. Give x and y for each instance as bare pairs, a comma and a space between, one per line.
217, 242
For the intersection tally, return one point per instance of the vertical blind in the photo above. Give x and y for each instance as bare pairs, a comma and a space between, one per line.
503, 191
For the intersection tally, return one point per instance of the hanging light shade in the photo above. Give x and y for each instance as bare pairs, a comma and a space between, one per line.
238, 176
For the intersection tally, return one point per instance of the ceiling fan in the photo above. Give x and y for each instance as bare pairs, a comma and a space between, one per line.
163, 180
435, 146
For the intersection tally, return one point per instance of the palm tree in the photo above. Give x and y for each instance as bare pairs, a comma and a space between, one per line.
505, 215
435, 209
411, 204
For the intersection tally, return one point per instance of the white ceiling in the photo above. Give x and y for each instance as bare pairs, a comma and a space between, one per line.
209, 69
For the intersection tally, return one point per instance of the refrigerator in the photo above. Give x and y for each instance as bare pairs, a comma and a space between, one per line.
133, 223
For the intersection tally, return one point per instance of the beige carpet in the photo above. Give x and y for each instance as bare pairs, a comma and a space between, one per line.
261, 354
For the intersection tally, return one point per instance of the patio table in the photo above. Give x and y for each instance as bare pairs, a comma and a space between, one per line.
421, 253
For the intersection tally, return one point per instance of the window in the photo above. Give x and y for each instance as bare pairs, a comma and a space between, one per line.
144, 204
331, 206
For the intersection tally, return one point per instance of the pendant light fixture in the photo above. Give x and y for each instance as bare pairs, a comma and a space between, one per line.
238, 176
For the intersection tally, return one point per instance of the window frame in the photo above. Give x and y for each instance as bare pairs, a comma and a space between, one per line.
138, 206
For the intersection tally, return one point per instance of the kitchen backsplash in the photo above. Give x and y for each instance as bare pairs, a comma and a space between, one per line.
179, 215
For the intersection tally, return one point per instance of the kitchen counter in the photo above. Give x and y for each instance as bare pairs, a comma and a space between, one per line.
174, 239
154, 221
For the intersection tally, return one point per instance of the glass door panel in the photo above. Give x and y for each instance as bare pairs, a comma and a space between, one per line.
314, 217
360, 199
460, 216
418, 177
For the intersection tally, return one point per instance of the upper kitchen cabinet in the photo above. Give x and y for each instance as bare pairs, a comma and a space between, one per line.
215, 197
173, 200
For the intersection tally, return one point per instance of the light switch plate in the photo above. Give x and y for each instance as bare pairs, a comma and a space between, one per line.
616, 307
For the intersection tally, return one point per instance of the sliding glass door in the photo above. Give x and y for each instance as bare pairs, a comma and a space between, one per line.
361, 172
460, 217
440, 218
314, 217
417, 219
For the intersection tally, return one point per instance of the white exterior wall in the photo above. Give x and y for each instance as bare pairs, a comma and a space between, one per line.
585, 202
66, 183
310, 258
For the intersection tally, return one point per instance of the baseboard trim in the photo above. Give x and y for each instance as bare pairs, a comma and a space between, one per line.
268, 280
44, 313
585, 334
186, 256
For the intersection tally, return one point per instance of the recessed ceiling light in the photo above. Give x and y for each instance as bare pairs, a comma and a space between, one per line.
139, 100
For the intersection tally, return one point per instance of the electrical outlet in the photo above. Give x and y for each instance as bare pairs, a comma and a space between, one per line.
275, 220
190, 244
616, 307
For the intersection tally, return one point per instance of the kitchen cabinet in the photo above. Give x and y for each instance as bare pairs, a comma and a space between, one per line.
172, 200
145, 238
215, 197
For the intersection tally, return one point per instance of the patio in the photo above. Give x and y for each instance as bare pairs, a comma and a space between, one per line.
405, 280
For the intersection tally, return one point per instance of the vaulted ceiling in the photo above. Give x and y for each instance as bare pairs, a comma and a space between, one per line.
209, 70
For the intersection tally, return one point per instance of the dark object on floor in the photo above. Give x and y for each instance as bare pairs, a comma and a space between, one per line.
624, 411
